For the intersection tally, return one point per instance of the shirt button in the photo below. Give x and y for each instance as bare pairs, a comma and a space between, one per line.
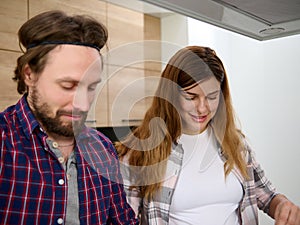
68, 176
60, 221
61, 160
54, 144
61, 181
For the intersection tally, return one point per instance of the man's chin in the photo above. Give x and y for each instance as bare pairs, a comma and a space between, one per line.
69, 129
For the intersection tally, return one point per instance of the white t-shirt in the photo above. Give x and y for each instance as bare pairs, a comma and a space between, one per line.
202, 195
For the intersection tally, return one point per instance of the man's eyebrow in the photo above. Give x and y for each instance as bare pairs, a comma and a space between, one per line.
96, 82
67, 79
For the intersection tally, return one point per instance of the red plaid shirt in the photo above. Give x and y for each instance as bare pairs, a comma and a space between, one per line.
33, 187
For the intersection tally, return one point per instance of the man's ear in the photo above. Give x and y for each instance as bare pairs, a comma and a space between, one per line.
29, 77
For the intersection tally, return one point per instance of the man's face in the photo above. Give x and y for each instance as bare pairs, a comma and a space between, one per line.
62, 94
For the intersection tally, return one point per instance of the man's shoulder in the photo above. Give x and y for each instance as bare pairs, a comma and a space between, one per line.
97, 136
89, 131
99, 152
6, 116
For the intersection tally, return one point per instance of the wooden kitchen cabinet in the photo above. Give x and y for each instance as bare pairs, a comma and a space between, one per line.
94, 8
12, 15
124, 26
8, 91
128, 65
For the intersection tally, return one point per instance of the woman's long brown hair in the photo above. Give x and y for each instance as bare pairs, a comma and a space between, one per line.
150, 143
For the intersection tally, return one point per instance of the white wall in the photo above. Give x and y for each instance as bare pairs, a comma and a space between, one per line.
174, 35
265, 84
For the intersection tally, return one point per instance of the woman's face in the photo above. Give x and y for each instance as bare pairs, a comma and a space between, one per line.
198, 105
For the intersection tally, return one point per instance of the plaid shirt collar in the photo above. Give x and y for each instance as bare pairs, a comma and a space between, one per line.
26, 117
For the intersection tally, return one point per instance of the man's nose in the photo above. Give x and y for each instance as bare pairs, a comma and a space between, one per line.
81, 101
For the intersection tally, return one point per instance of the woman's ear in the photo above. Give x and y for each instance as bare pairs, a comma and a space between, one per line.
29, 77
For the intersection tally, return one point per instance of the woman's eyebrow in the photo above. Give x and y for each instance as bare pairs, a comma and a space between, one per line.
194, 94
190, 93
214, 92
187, 93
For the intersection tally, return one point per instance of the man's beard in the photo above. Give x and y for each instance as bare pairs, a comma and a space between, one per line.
55, 125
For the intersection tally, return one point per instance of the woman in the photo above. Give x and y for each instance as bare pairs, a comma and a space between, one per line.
188, 163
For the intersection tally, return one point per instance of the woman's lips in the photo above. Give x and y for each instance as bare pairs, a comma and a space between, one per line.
199, 119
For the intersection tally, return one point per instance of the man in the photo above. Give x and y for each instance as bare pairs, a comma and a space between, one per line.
53, 169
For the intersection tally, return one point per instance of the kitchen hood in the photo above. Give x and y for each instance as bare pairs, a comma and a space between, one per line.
258, 19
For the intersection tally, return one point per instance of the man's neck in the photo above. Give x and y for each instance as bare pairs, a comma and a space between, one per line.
64, 144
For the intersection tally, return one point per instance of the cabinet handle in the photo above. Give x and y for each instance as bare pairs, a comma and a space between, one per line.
131, 120
91, 121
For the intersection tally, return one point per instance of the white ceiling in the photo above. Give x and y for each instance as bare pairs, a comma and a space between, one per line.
258, 19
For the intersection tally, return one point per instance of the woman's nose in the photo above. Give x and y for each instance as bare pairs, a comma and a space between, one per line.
202, 105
